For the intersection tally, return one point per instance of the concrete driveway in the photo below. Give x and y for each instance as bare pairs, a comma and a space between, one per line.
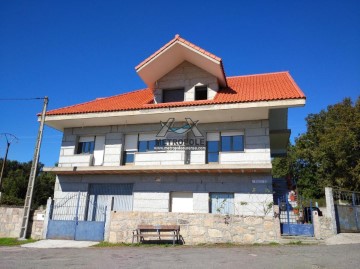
60, 244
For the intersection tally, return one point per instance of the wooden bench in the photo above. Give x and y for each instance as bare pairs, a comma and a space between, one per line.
159, 231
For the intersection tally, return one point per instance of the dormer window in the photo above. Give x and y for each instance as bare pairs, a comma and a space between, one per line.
201, 93
173, 95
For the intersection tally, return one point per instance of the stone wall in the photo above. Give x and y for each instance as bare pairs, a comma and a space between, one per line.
326, 229
198, 228
11, 218
37, 224
10, 221
322, 226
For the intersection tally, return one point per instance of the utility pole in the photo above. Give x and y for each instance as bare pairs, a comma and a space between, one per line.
9, 139
30, 189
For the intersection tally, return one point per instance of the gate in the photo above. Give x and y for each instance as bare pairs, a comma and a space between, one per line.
295, 217
76, 217
347, 210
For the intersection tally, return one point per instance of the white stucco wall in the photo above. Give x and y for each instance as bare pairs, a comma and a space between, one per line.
160, 158
151, 201
113, 149
257, 145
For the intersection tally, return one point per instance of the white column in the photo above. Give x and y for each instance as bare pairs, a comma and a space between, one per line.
47, 217
107, 220
330, 208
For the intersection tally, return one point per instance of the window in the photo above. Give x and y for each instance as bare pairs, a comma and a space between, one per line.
131, 146
213, 151
182, 202
232, 142
201, 93
86, 145
212, 147
147, 142
129, 156
222, 203
176, 95
145, 146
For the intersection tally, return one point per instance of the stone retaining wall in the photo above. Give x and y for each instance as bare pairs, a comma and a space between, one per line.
10, 222
37, 224
326, 229
198, 228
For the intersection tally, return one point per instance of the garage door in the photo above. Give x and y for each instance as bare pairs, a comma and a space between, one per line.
121, 196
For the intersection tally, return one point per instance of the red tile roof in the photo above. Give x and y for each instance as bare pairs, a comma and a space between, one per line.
241, 89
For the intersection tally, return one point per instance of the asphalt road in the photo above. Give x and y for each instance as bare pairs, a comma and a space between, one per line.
310, 256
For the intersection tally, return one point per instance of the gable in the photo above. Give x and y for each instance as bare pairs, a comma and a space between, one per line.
174, 53
186, 76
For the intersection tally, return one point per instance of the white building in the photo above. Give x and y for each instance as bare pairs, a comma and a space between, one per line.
193, 141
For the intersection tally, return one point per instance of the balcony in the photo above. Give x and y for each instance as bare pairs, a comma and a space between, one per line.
79, 160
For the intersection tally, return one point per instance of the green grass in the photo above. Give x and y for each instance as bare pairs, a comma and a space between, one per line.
14, 241
295, 243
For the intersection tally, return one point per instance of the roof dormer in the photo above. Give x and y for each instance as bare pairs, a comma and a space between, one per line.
173, 54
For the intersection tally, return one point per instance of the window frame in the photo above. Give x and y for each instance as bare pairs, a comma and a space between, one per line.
130, 152
85, 147
149, 147
232, 143
164, 91
212, 152
201, 89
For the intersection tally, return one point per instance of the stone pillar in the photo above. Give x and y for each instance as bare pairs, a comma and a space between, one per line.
330, 208
317, 225
47, 217
107, 220
277, 222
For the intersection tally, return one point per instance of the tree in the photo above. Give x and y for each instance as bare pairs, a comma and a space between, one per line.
328, 154
15, 182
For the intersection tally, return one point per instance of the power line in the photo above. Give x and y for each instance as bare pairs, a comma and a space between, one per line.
21, 99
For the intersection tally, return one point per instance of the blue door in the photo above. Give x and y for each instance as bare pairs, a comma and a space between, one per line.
295, 220
69, 219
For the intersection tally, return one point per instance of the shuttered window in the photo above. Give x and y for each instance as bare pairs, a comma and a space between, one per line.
146, 142
131, 146
86, 145
213, 147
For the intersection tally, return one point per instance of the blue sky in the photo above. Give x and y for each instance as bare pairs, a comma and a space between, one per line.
76, 51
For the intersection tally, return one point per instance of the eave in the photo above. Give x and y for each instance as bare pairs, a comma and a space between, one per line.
174, 53
171, 169
203, 113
